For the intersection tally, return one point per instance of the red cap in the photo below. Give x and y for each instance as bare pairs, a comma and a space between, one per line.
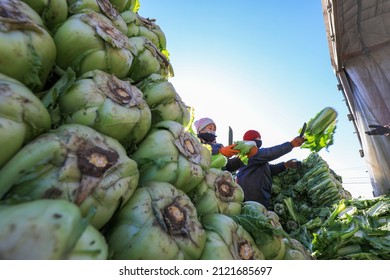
251, 135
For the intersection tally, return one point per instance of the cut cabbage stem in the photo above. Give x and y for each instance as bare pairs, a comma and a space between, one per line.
175, 219
189, 146
94, 161
245, 250
225, 189
118, 92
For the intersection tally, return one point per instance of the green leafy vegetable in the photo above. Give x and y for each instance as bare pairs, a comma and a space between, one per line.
244, 147
228, 240
266, 233
356, 229
320, 130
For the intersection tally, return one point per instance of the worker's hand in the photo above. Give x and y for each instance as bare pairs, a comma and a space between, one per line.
378, 130
297, 141
293, 163
228, 151
252, 152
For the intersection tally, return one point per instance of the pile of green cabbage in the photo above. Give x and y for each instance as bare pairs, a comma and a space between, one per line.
98, 158
304, 198
315, 209
357, 229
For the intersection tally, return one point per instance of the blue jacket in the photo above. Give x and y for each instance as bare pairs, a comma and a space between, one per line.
256, 177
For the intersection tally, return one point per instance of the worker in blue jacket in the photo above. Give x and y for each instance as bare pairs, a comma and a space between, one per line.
256, 177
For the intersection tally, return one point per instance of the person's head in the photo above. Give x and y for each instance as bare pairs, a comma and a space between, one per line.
205, 125
253, 135
205, 129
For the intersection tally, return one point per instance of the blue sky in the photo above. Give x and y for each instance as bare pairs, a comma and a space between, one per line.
261, 65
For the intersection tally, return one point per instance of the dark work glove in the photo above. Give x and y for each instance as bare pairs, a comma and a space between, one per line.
297, 141
293, 163
378, 130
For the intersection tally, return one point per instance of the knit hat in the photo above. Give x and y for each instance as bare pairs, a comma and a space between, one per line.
251, 135
202, 123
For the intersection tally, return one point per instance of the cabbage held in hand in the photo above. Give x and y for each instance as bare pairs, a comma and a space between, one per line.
320, 130
244, 147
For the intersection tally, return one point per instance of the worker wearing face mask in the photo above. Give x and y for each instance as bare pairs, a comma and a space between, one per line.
256, 177
206, 132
